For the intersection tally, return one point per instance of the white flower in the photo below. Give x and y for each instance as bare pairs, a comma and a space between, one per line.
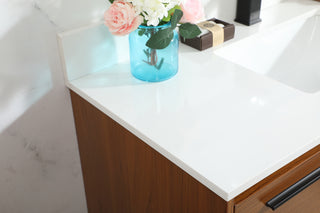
173, 3
154, 10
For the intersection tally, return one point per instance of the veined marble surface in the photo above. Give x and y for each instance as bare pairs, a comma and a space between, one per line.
40, 170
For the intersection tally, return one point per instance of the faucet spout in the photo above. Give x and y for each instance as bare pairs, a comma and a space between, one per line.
248, 12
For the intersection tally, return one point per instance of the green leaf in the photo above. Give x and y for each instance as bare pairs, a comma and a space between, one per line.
177, 7
158, 67
167, 19
111, 1
189, 30
170, 13
141, 32
162, 22
160, 39
176, 18
146, 52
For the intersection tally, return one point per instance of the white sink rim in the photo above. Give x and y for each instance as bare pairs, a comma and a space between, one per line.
234, 52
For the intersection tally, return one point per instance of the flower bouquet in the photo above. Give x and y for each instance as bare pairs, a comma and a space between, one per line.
153, 40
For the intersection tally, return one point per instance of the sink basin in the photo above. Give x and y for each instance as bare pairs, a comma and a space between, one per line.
288, 53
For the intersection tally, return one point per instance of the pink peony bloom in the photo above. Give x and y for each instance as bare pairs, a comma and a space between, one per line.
121, 18
192, 11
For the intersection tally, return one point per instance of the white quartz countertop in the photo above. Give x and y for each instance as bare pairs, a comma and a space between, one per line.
226, 126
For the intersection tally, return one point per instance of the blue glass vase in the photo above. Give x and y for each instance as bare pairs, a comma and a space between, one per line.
149, 64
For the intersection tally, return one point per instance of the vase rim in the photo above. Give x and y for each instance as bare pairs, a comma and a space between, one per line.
154, 27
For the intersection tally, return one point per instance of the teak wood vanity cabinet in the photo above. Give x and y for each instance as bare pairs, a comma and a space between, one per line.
122, 174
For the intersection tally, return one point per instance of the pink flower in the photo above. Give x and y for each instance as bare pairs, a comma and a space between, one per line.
192, 11
121, 18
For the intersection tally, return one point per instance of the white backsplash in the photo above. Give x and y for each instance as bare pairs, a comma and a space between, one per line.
269, 3
39, 160
226, 9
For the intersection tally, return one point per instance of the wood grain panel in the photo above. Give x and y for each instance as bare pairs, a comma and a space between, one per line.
122, 174
308, 201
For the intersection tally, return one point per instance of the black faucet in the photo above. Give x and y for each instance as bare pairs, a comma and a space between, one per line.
248, 12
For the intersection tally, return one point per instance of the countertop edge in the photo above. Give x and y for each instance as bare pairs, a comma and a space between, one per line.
227, 196
214, 188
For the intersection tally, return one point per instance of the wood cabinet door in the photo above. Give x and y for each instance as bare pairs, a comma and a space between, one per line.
294, 174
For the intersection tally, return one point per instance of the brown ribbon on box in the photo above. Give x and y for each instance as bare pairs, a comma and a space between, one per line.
216, 30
